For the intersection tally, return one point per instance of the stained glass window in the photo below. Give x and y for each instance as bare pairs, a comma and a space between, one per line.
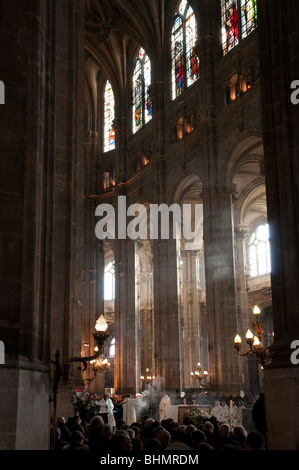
109, 116
248, 16
229, 23
259, 251
142, 103
185, 63
238, 20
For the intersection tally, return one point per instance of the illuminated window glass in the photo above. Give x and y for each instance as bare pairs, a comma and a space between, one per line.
248, 16
112, 348
142, 103
229, 25
109, 282
109, 116
259, 251
185, 63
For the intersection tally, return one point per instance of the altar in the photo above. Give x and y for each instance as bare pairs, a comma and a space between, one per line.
179, 412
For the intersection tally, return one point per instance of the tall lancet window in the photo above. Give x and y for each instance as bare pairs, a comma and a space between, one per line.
259, 251
248, 16
109, 116
238, 20
185, 63
142, 103
229, 24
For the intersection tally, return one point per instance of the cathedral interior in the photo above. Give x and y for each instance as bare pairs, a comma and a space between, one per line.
148, 103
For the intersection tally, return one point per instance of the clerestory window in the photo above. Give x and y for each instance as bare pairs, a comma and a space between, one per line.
185, 63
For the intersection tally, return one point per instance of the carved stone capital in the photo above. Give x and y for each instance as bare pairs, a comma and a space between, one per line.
91, 137
226, 188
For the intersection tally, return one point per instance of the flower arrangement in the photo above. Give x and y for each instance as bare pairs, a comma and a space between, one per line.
85, 405
198, 415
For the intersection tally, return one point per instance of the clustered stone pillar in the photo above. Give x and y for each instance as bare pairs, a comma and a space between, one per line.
27, 147
279, 45
221, 294
125, 377
168, 337
218, 239
191, 316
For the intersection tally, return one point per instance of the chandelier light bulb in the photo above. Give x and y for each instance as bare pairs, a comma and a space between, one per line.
256, 341
101, 324
238, 339
256, 310
249, 334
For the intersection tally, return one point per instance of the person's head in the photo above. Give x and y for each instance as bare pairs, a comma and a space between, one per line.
148, 422
124, 427
197, 438
119, 423
181, 428
77, 437
77, 419
240, 431
254, 441
131, 433
173, 425
190, 428
96, 421
61, 419
163, 437
122, 442
208, 427
106, 431
224, 430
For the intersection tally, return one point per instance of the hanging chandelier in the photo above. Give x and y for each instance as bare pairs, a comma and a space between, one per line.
100, 365
202, 379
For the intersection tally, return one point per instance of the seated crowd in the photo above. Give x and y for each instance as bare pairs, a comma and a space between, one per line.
151, 436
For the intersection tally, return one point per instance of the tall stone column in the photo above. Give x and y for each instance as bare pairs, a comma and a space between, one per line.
279, 64
125, 378
27, 148
218, 236
168, 333
93, 296
191, 317
221, 293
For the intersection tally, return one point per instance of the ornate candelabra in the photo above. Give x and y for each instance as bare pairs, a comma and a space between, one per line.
96, 360
255, 342
202, 379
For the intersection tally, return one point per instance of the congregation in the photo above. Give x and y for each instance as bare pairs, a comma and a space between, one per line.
153, 436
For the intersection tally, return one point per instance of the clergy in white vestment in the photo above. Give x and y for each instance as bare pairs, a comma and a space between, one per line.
110, 410
102, 404
225, 413
217, 410
164, 402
